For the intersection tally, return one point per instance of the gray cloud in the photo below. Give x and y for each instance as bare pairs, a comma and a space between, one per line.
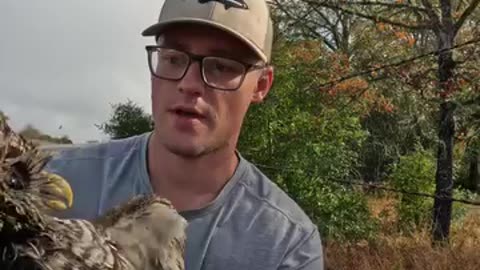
64, 62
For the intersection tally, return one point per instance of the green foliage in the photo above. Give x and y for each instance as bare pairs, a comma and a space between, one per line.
394, 134
468, 143
469, 168
459, 210
414, 172
3, 116
127, 119
293, 130
307, 147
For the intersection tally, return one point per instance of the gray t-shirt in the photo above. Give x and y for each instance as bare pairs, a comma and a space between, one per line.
251, 225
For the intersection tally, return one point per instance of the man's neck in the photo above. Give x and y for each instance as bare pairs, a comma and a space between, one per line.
189, 183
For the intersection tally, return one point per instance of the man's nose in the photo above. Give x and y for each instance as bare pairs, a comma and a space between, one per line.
192, 83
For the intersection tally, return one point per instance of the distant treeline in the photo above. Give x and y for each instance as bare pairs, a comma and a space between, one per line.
33, 133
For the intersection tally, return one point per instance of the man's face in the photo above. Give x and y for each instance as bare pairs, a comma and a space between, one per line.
191, 118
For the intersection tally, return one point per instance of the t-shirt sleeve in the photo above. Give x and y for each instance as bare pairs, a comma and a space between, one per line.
305, 254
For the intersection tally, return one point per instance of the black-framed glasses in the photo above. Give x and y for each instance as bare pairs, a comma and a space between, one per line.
217, 72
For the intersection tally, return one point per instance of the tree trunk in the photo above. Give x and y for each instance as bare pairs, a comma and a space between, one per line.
442, 208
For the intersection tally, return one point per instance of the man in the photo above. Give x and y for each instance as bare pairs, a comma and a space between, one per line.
211, 61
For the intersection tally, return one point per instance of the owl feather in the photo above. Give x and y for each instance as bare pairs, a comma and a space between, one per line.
146, 232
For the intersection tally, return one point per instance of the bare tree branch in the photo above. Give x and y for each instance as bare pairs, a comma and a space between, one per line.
336, 6
332, 27
294, 21
383, 4
446, 12
346, 23
398, 63
311, 31
431, 12
473, 5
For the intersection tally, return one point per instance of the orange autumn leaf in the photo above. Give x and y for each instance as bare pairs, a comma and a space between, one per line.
462, 82
367, 95
306, 52
348, 87
411, 40
388, 107
381, 26
405, 36
401, 35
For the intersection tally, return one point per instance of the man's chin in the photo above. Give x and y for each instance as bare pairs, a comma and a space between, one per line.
189, 151
188, 146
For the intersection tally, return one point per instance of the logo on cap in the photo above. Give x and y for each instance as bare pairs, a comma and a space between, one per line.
229, 3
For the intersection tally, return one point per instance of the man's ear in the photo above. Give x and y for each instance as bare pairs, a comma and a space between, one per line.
264, 84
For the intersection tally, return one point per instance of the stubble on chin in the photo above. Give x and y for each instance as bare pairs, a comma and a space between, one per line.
194, 152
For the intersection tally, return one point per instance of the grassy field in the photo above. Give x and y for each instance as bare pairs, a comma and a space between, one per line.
397, 252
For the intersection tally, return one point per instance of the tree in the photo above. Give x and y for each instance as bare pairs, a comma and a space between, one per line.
300, 139
359, 44
468, 137
298, 19
444, 24
127, 119
3, 115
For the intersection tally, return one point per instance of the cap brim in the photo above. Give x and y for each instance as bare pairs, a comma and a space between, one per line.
158, 28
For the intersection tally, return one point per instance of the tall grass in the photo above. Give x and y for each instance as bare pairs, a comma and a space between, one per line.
397, 251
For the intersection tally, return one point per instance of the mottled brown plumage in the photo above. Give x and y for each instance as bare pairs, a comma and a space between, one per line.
145, 233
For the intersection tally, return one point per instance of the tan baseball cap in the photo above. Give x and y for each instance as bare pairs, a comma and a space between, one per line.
248, 20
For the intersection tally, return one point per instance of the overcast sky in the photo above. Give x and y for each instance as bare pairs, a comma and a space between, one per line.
62, 63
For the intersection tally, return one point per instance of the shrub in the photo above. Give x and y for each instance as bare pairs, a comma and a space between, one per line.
414, 172
308, 146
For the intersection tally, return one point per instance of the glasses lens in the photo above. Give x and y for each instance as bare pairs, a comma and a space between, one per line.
168, 63
223, 73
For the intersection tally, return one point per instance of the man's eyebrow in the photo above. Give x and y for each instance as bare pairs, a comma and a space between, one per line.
211, 52
174, 44
231, 55
181, 46
220, 52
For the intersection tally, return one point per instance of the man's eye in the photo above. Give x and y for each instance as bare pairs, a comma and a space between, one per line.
220, 67
172, 59
224, 68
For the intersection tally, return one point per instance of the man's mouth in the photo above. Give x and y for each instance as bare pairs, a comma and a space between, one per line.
188, 113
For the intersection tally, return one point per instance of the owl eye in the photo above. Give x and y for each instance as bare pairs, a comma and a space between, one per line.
15, 183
